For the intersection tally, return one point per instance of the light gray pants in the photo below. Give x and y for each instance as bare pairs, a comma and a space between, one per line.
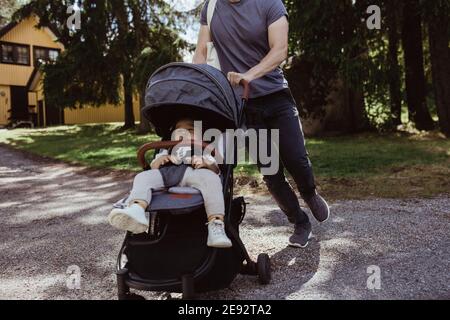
204, 180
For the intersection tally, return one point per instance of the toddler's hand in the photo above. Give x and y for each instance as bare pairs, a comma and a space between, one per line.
198, 163
158, 163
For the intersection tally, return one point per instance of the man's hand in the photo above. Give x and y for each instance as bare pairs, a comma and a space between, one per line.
158, 163
236, 78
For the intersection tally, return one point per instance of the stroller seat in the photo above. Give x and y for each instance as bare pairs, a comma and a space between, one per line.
176, 200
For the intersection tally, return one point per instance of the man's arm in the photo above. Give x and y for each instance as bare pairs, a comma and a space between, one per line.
201, 51
278, 41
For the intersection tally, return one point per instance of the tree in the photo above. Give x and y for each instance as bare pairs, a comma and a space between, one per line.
394, 77
165, 49
330, 37
338, 59
7, 8
124, 46
414, 65
100, 59
437, 16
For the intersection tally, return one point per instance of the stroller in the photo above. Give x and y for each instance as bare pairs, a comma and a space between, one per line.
173, 256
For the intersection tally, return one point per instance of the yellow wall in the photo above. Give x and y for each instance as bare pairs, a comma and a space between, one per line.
25, 33
99, 115
32, 101
4, 104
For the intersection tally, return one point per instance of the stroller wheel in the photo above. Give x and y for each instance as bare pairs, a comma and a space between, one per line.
188, 287
123, 291
264, 270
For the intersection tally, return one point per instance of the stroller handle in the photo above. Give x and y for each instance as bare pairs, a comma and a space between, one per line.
245, 98
246, 86
166, 145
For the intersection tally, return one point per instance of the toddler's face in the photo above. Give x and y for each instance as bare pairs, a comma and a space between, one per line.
184, 130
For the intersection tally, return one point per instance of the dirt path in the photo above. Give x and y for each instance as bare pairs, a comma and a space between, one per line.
53, 216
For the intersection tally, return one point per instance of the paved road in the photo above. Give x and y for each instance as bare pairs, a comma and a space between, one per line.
53, 216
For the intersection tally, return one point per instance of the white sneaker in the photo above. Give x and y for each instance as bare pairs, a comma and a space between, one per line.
217, 238
131, 218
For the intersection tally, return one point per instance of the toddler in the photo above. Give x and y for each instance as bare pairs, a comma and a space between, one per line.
177, 167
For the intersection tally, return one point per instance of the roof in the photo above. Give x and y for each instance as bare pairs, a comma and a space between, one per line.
7, 28
52, 32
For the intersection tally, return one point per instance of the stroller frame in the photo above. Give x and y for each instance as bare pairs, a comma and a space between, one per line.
186, 283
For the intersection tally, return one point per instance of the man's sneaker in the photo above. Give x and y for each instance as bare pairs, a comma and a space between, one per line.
131, 218
319, 207
301, 236
217, 238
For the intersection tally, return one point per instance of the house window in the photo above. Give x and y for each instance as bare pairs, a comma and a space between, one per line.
15, 53
7, 53
23, 55
39, 54
53, 55
44, 55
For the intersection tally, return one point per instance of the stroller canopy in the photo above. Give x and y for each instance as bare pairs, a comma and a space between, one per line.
200, 92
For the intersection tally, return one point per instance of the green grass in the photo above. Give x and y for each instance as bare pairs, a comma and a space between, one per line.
368, 164
370, 154
340, 157
91, 145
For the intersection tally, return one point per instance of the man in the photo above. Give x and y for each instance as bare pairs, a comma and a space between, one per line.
251, 39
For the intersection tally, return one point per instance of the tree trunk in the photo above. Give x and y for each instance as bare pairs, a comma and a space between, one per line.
439, 37
357, 111
120, 11
144, 126
414, 68
395, 94
128, 96
356, 102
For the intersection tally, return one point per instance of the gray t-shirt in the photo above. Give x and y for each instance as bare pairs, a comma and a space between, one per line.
240, 35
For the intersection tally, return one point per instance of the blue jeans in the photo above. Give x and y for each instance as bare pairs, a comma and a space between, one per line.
279, 111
